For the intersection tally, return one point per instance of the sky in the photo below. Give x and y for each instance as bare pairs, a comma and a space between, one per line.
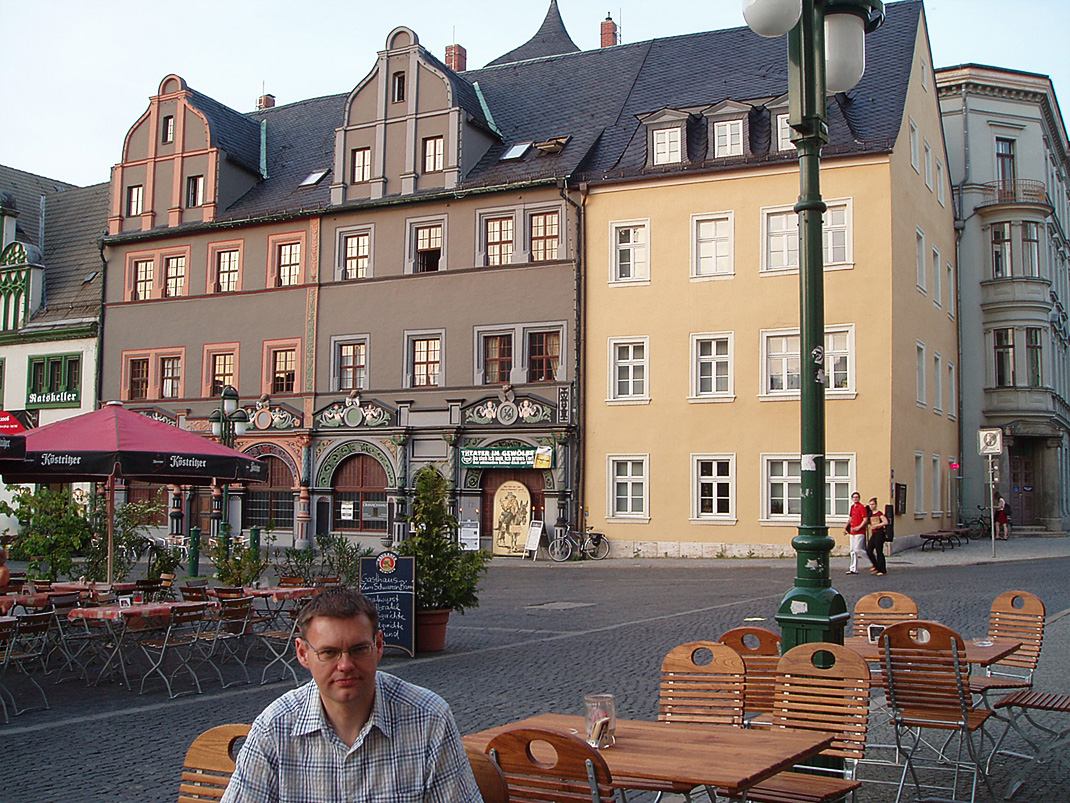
76, 74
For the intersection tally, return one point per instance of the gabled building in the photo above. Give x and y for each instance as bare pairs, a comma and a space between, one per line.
1009, 166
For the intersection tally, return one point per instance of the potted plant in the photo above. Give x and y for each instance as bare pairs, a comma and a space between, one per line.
447, 577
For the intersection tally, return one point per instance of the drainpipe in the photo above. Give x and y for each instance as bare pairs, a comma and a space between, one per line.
576, 517
960, 228
100, 324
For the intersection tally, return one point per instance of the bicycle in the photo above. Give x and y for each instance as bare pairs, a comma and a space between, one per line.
594, 545
980, 526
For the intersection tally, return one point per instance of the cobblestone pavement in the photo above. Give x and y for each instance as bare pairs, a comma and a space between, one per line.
544, 635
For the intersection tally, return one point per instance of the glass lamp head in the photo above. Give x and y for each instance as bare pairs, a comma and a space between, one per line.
845, 50
241, 422
230, 400
772, 17
216, 420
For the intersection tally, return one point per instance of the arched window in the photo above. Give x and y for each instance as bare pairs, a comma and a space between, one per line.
360, 495
271, 504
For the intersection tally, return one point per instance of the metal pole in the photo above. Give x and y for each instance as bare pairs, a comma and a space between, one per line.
992, 499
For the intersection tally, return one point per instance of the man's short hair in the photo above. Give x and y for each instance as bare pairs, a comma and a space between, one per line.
337, 603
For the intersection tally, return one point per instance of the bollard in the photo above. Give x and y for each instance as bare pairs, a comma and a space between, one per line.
254, 541
194, 552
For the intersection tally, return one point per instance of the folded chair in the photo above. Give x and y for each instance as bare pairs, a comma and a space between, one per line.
25, 652
759, 648
544, 766
210, 763
178, 641
928, 689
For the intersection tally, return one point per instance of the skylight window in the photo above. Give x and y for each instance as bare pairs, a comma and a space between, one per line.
313, 178
516, 151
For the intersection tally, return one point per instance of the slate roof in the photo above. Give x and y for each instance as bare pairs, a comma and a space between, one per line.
232, 131
27, 189
550, 40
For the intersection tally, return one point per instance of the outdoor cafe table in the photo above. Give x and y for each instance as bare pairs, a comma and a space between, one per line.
36, 600
983, 652
721, 756
118, 588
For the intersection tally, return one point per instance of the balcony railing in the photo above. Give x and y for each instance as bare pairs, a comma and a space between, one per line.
1016, 191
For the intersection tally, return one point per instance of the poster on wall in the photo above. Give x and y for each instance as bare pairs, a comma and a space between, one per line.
512, 512
469, 535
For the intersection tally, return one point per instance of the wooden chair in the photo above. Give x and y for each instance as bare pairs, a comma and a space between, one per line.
702, 693
544, 766
759, 648
327, 582
167, 585
292, 582
820, 687
193, 593
928, 688
228, 592
489, 777
150, 590
882, 608
210, 763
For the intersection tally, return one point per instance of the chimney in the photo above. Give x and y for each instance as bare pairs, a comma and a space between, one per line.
456, 58
265, 102
609, 32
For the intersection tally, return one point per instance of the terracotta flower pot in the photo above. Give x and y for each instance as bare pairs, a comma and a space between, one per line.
431, 630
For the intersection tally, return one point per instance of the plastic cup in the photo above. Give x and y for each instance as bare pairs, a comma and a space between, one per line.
600, 720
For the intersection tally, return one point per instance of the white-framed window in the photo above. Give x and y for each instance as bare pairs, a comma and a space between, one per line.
227, 270
628, 487
168, 129
134, 200
712, 375
928, 164
783, 133
712, 246
941, 193
628, 375
782, 487
349, 362
143, 279
938, 383
921, 259
426, 244
921, 371
713, 488
355, 254
289, 264
781, 364
434, 148
915, 150
194, 191
498, 239
397, 87
937, 279
424, 358
174, 276
727, 138
544, 235
919, 484
362, 165
629, 260
951, 290
667, 146
938, 487
952, 392
780, 237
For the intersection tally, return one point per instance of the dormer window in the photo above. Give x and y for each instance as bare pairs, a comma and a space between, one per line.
727, 138
666, 136
168, 129
433, 150
397, 87
362, 165
783, 133
667, 146
194, 191
134, 199
729, 129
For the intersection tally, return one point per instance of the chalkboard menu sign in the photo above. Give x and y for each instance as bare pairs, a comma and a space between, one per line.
389, 581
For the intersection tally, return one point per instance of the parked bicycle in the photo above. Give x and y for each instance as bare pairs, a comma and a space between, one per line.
592, 545
980, 526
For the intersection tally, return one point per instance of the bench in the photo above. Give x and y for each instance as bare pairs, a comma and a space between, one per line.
1018, 705
943, 538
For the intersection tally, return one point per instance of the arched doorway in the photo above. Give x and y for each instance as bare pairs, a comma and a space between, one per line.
271, 504
359, 485
495, 478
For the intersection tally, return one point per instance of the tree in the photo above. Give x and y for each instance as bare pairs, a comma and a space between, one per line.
53, 528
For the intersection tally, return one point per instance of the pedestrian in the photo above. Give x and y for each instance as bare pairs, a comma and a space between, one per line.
1003, 518
856, 529
352, 733
5, 572
878, 531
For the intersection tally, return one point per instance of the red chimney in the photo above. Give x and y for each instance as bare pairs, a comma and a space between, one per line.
265, 102
456, 58
609, 32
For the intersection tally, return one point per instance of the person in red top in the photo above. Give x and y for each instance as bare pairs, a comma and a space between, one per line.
856, 529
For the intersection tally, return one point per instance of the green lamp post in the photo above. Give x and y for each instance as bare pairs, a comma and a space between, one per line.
228, 424
826, 55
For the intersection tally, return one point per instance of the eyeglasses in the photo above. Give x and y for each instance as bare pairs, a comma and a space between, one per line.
329, 655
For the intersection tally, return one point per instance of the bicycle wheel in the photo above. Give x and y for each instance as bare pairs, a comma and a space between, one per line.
560, 550
597, 550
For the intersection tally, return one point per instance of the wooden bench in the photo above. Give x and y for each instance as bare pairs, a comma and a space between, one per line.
1018, 705
943, 538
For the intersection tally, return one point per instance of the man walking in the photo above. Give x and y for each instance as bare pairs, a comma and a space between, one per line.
857, 525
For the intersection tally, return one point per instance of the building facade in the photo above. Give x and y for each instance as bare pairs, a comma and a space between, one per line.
1009, 166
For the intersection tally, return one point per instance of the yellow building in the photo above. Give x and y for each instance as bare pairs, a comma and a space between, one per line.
691, 357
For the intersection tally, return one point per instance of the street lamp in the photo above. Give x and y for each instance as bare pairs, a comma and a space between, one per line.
228, 424
826, 54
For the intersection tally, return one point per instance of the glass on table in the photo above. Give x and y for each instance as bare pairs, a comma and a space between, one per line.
600, 719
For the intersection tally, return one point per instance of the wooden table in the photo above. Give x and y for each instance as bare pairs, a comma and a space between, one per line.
980, 654
730, 759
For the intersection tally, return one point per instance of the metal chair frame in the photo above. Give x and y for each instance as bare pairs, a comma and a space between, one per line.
179, 640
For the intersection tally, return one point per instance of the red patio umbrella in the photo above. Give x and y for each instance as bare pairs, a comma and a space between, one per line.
113, 442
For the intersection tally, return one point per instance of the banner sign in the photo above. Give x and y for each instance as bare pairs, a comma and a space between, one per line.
508, 457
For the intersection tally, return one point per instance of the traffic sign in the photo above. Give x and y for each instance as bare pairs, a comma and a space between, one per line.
989, 441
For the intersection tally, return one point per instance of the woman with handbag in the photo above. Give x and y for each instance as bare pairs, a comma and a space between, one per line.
878, 529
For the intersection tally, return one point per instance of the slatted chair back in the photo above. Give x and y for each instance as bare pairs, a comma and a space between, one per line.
167, 585
228, 592
759, 648
1019, 615
702, 693
927, 672
149, 589
489, 777
291, 582
198, 582
193, 593
210, 763
882, 608
544, 766
326, 582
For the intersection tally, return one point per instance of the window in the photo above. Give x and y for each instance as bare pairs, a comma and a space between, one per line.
226, 271
938, 482
1001, 250
544, 236
362, 165
283, 370
782, 365
628, 486
544, 356
834, 235
782, 486
357, 255
499, 234
712, 246
289, 264
950, 270
628, 370
426, 361
1030, 249
838, 472
497, 359
941, 193
920, 259
915, 153
428, 248
711, 360
781, 237
433, 148
938, 384
783, 133
134, 198
168, 129
928, 165
138, 386
713, 489
728, 138
1034, 357
170, 377
919, 483
667, 148
222, 372
952, 392
55, 381
397, 87
630, 252
271, 504
174, 276
837, 360
937, 294
1005, 168
1003, 343
142, 279
352, 365
194, 191
920, 369
782, 241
